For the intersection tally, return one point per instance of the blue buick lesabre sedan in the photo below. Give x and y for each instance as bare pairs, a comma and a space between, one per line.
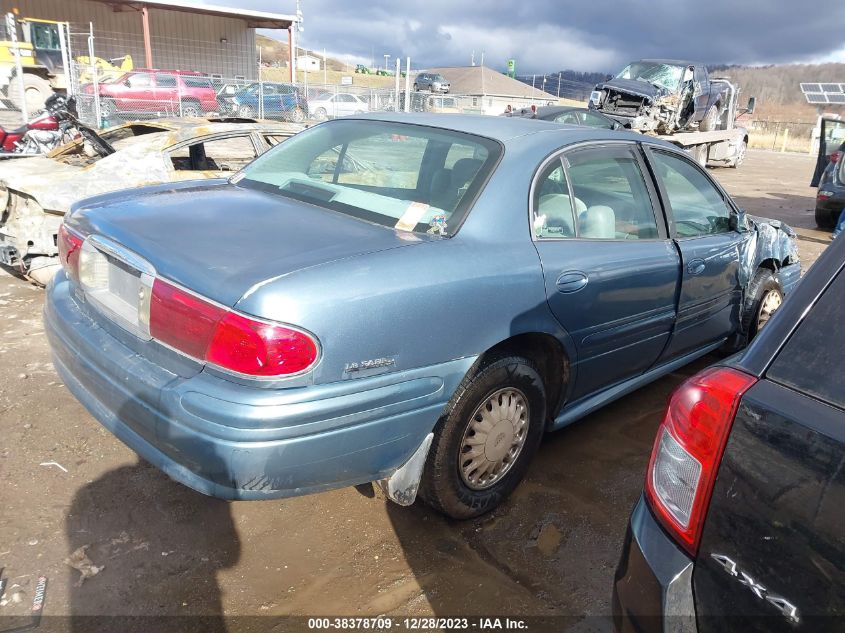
408, 299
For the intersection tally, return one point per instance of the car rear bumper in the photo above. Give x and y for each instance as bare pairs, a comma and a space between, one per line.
239, 442
652, 590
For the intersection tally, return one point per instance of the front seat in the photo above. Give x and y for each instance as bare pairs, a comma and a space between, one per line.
597, 222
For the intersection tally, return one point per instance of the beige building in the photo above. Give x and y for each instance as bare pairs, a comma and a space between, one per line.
174, 35
483, 90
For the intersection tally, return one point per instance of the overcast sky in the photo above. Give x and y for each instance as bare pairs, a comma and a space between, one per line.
550, 35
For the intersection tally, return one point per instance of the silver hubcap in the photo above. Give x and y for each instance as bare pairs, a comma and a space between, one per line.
771, 302
494, 438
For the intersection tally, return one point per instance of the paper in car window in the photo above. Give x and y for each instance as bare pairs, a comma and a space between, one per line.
412, 216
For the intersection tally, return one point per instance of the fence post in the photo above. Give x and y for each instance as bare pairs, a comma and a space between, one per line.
95, 80
398, 77
261, 97
775, 139
407, 84
785, 139
13, 35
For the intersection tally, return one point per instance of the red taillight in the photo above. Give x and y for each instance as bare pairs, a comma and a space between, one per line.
835, 156
229, 340
69, 244
688, 449
182, 320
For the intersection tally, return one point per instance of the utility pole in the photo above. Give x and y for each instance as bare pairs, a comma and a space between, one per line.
559, 75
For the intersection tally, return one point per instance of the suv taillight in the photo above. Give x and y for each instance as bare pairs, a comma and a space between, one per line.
69, 244
232, 341
688, 450
835, 156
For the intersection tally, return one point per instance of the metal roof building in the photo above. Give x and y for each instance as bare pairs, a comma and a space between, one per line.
171, 34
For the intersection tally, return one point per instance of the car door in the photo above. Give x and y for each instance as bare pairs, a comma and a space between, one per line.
611, 272
137, 93
166, 93
699, 215
831, 136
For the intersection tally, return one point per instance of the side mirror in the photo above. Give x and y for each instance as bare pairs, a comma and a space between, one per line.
739, 221
752, 102
617, 126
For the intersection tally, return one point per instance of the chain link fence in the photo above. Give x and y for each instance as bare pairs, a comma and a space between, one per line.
783, 136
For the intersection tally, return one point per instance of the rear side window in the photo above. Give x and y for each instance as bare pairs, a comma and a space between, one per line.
811, 361
197, 82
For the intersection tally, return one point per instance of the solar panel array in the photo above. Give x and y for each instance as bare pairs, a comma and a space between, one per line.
824, 92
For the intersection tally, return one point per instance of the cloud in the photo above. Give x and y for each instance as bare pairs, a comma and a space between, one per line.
549, 35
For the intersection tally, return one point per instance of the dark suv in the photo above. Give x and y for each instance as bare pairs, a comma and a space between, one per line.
178, 92
740, 527
433, 82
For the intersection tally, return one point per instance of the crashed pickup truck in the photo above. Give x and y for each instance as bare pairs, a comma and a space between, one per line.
36, 192
663, 96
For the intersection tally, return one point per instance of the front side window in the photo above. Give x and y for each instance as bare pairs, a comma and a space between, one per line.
141, 80
611, 197
391, 174
698, 207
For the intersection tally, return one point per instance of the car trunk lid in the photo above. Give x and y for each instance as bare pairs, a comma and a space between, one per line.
220, 240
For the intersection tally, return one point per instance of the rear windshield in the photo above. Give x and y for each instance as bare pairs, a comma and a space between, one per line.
197, 82
407, 177
811, 362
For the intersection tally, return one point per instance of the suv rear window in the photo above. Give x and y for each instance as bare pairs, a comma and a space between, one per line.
811, 361
393, 174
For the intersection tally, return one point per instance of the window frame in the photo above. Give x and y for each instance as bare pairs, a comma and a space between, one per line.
649, 150
221, 136
648, 179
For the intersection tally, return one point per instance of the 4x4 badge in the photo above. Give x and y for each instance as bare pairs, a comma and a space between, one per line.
781, 604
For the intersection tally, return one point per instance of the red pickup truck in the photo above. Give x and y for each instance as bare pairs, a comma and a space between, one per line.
181, 92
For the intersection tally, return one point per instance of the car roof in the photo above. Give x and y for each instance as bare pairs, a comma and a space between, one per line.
502, 129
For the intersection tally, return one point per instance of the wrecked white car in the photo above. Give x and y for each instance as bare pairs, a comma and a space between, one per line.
36, 192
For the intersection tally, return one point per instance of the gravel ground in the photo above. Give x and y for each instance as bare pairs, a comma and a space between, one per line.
162, 549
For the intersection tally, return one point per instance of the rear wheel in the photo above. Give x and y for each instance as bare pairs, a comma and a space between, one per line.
763, 298
246, 112
191, 109
485, 441
825, 219
320, 114
710, 120
297, 115
107, 108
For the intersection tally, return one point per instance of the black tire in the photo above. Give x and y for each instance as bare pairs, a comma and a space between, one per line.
443, 486
320, 114
246, 112
297, 115
191, 109
416, 88
825, 219
710, 120
761, 286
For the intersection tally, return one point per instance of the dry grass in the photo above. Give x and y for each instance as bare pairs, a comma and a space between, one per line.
768, 140
331, 77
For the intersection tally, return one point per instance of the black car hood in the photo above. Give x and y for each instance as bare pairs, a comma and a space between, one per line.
632, 86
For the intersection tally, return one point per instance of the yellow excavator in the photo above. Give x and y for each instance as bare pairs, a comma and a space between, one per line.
44, 54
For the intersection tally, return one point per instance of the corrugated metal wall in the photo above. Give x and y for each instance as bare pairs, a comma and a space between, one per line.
180, 40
